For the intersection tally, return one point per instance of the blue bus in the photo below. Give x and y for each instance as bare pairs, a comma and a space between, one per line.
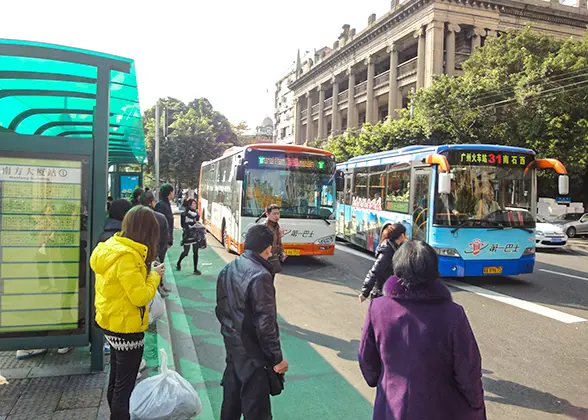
475, 204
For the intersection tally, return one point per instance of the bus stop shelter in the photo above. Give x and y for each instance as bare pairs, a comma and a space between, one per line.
66, 115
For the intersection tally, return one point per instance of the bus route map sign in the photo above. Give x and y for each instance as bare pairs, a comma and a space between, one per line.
40, 221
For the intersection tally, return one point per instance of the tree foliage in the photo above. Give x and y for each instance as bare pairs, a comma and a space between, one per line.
199, 134
522, 89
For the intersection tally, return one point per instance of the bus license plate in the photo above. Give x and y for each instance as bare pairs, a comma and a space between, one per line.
293, 252
492, 270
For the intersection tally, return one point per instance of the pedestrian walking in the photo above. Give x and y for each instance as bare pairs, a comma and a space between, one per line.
125, 283
272, 214
193, 234
246, 309
417, 346
136, 198
166, 193
392, 237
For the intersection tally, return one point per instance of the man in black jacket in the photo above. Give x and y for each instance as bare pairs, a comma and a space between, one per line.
116, 213
166, 194
148, 199
246, 309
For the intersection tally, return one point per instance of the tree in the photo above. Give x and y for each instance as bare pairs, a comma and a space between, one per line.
200, 134
522, 89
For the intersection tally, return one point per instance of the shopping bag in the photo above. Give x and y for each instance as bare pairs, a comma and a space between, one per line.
166, 396
156, 308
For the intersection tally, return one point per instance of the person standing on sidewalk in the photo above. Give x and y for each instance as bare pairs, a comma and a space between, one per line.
135, 199
125, 284
272, 214
116, 214
246, 309
193, 234
166, 193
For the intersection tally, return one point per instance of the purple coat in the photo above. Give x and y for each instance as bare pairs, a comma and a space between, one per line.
418, 348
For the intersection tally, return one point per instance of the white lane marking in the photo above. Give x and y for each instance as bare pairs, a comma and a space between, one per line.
519, 303
563, 274
352, 251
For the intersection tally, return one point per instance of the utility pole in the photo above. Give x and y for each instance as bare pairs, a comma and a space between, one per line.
156, 159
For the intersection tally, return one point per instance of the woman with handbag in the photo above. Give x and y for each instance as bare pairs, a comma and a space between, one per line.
192, 235
125, 284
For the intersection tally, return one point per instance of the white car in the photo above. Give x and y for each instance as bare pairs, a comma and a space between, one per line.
548, 235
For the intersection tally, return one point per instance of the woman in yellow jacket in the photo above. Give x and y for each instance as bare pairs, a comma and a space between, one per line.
124, 286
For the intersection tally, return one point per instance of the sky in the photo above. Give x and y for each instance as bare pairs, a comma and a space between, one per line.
229, 51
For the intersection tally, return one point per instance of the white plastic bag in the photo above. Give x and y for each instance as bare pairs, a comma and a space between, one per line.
166, 396
156, 307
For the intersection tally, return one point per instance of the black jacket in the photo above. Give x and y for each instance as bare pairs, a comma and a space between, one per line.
163, 233
193, 232
164, 207
246, 309
110, 228
381, 270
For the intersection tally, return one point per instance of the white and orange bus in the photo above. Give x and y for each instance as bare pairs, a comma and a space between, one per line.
236, 188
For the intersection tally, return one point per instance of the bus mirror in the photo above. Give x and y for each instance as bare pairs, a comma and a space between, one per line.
240, 176
564, 185
340, 180
444, 183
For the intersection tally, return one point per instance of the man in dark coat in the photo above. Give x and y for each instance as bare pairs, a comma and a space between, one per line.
164, 207
246, 309
418, 348
116, 213
148, 199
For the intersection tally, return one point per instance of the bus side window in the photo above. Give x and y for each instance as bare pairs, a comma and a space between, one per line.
360, 192
347, 190
377, 187
398, 190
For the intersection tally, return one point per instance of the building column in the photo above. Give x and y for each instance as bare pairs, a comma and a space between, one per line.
321, 112
434, 51
369, 105
351, 120
477, 34
308, 116
336, 122
452, 29
420, 36
582, 4
298, 122
393, 81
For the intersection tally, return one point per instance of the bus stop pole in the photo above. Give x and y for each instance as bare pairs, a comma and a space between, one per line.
156, 159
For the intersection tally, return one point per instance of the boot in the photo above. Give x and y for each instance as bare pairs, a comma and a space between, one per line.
179, 265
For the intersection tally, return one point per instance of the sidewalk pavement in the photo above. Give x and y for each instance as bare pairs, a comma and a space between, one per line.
578, 244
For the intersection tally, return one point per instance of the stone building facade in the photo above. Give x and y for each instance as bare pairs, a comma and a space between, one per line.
367, 76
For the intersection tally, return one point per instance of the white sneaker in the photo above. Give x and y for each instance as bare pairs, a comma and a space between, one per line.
27, 354
64, 350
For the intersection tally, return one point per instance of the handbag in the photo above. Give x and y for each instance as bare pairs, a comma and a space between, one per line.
276, 381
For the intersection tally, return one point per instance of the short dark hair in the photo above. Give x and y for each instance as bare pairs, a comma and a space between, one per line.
147, 198
416, 263
188, 203
271, 208
137, 193
165, 191
393, 232
258, 238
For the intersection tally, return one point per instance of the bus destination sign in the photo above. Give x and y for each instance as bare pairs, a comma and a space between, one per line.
459, 157
290, 162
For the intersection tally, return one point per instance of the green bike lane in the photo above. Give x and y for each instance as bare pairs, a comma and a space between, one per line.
314, 388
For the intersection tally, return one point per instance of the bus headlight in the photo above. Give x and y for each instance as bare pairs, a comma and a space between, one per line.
447, 252
327, 240
529, 251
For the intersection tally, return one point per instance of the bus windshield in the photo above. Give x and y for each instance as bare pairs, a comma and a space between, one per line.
487, 196
301, 193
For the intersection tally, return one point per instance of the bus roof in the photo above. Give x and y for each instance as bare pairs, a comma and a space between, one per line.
291, 148
406, 154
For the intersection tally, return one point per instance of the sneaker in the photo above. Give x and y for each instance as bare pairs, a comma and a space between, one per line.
27, 354
64, 350
143, 365
197, 272
178, 267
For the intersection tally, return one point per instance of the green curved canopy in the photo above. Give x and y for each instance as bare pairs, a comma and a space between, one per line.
50, 90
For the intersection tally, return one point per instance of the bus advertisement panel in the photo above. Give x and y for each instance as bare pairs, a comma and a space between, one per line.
475, 204
237, 188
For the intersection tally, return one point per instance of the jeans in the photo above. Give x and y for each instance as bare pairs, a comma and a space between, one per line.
251, 399
124, 367
185, 254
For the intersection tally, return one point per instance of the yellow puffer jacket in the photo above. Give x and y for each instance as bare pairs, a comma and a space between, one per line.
123, 287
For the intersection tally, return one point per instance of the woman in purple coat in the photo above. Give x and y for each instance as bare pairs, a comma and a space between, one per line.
418, 348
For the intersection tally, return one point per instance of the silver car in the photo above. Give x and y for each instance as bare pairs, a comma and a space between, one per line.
573, 224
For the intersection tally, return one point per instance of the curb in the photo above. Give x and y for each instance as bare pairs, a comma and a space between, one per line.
164, 338
183, 324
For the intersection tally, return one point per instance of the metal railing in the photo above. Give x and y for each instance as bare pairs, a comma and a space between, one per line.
328, 103
314, 109
408, 68
382, 79
304, 113
343, 96
360, 88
